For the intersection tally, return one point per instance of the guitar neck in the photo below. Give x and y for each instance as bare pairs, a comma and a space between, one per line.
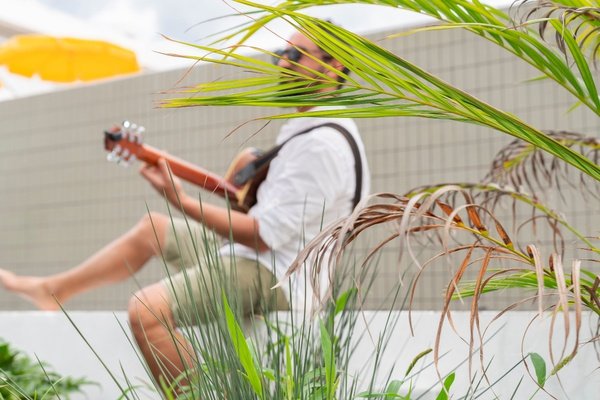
190, 172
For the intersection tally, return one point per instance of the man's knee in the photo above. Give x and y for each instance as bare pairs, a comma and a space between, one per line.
149, 308
152, 222
137, 311
152, 227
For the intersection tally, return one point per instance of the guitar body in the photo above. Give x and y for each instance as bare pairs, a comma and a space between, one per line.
246, 196
125, 145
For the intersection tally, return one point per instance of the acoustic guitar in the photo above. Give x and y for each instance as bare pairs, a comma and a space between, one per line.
124, 144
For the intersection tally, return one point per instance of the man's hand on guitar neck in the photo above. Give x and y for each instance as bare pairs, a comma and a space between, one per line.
243, 227
165, 183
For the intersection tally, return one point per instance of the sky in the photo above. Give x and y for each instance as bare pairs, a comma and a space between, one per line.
140, 24
184, 18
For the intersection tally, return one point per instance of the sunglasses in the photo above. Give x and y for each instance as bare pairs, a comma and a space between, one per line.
292, 54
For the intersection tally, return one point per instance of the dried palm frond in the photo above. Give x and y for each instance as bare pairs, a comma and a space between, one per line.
525, 168
542, 224
469, 231
459, 228
574, 23
521, 176
420, 214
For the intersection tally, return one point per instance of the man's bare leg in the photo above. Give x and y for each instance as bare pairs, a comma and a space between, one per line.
164, 348
115, 262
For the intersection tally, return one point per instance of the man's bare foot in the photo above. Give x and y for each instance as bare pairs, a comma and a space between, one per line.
31, 288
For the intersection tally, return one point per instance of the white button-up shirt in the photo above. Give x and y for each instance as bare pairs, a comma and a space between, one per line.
310, 184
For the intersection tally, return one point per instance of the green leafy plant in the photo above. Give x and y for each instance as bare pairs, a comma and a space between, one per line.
22, 378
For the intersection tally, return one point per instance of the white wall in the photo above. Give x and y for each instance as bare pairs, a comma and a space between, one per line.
54, 339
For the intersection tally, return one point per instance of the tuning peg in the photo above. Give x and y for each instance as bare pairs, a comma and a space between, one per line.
116, 154
112, 157
139, 134
134, 136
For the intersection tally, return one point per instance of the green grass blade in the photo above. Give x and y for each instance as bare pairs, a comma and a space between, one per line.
329, 360
242, 350
446, 389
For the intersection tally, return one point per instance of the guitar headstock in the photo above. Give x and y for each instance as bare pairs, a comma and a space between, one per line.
123, 142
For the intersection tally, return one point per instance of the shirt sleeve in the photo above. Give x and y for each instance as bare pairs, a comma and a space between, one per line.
306, 177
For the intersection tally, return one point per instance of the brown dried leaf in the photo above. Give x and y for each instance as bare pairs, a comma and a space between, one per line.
533, 252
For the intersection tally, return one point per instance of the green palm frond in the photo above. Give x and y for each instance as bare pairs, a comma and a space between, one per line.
486, 21
392, 87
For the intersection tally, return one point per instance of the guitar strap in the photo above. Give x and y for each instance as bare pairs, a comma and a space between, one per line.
262, 163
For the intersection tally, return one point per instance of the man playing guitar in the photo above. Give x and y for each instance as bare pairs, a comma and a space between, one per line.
311, 182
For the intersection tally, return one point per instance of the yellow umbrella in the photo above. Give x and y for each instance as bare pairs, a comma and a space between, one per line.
65, 59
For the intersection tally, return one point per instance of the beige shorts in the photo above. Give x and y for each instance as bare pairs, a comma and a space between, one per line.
203, 275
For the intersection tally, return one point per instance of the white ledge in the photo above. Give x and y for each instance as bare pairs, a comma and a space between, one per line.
53, 338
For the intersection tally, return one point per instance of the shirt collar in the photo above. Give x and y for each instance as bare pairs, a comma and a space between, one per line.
295, 125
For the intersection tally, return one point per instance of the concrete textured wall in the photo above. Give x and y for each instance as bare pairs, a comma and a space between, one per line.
60, 200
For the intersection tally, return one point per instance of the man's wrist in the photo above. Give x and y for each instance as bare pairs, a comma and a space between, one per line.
180, 200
